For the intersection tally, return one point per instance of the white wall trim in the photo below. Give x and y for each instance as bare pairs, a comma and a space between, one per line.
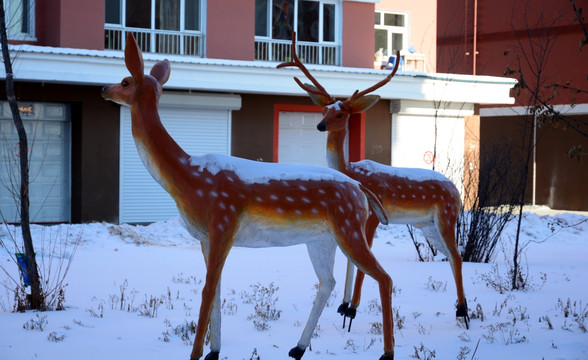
579, 109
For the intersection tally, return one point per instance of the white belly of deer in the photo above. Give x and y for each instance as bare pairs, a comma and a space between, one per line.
257, 233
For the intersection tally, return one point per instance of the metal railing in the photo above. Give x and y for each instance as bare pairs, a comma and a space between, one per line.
308, 52
155, 41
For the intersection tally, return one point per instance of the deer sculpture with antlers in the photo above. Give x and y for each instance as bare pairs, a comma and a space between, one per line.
226, 201
421, 197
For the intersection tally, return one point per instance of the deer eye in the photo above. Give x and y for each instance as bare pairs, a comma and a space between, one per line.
124, 83
340, 116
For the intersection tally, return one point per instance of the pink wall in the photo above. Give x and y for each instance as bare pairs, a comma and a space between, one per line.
230, 29
422, 16
358, 34
70, 23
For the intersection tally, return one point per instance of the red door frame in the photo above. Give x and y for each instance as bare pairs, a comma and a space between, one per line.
356, 129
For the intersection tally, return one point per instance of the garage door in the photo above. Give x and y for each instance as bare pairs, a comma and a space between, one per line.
423, 137
199, 125
48, 136
299, 141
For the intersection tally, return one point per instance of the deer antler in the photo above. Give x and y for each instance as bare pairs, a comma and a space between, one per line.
320, 90
383, 82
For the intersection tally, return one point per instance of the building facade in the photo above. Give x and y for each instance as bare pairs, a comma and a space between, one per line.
224, 95
538, 43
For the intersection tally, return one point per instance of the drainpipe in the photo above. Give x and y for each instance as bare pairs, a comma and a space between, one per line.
475, 50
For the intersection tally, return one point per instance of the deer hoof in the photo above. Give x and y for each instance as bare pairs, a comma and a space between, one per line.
388, 356
342, 309
351, 312
296, 352
213, 355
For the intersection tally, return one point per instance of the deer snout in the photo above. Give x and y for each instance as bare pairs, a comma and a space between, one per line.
322, 126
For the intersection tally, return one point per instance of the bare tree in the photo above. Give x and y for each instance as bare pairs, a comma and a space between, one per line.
35, 300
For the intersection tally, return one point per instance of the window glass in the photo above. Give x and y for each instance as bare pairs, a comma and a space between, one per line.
396, 42
329, 22
382, 41
192, 15
282, 19
308, 21
393, 20
167, 14
261, 17
112, 11
138, 14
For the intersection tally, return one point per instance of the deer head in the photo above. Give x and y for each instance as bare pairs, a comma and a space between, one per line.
138, 85
336, 112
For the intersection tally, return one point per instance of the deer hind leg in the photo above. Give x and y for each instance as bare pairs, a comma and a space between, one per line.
350, 309
215, 254
364, 259
322, 256
441, 234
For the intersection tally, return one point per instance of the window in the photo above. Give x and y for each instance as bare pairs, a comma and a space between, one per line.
391, 30
160, 26
315, 22
20, 19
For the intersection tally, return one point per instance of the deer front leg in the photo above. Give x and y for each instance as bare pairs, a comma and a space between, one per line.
215, 253
322, 256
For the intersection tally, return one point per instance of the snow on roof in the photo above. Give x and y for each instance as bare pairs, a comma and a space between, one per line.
100, 67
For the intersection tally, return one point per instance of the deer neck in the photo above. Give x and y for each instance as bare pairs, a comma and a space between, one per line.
336, 151
165, 160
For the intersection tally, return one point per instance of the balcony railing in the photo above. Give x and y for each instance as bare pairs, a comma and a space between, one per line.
155, 41
308, 52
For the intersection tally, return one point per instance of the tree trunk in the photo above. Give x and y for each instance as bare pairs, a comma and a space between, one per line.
36, 298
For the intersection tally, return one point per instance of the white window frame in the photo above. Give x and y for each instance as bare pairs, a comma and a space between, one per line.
338, 21
182, 31
15, 8
404, 30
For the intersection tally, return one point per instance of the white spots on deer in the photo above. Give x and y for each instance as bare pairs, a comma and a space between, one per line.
258, 199
305, 200
341, 210
279, 210
298, 212
224, 194
321, 191
199, 192
232, 207
222, 205
274, 197
323, 203
213, 193
289, 199
314, 211
338, 194
303, 188
209, 181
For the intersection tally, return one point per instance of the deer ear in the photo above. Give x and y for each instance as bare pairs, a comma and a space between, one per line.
319, 100
134, 58
161, 71
364, 103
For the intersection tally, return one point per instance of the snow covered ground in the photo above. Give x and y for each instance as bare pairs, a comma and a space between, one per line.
134, 291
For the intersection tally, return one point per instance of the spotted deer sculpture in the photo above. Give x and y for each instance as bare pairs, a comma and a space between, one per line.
421, 197
226, 201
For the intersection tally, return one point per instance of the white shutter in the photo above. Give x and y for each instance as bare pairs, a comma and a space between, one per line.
196, 130
413, 143
299, 141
